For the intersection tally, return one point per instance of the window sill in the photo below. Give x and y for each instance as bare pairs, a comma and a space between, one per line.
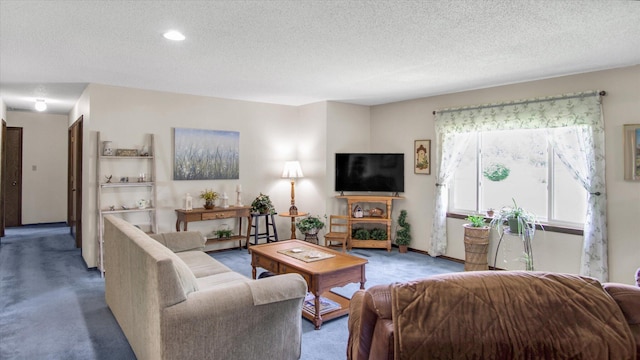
550, 228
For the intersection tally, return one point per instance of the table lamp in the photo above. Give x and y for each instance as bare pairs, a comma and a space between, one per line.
292, 171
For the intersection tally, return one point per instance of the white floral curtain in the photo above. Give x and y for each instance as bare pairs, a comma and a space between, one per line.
579, 148
453, 146
576, 115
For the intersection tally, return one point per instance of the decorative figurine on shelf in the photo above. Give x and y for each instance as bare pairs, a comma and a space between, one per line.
108, 177
142, 204
188, 202
144, 151
357, 211
225, 200
239, 196
107, 148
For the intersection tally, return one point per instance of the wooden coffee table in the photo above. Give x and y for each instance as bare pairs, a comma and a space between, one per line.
321, 275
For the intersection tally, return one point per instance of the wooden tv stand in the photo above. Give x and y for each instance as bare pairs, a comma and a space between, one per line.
385, 219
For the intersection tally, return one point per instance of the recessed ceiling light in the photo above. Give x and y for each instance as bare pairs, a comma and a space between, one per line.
173, 35
41, 105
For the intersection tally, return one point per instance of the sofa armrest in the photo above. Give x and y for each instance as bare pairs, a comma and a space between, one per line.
278, 288
181, 241
353, 324
628, 299
223, 322
370, 307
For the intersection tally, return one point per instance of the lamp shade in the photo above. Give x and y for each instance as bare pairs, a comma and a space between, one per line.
292, 170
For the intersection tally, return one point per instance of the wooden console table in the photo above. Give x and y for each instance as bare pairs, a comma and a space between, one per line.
217, 213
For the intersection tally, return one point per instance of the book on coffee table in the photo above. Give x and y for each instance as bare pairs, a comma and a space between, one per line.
326, 305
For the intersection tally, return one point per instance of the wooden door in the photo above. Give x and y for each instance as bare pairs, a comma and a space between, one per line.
13, 184
74, 182
3, 173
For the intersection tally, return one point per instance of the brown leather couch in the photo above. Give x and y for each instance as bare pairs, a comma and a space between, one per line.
496, 315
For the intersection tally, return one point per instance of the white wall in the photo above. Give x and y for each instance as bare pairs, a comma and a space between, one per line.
44, 165
269, 135
399, 124
348, 130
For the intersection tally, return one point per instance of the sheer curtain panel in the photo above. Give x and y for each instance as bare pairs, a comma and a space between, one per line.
576, 131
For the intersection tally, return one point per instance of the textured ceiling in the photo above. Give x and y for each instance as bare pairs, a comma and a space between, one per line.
298, 52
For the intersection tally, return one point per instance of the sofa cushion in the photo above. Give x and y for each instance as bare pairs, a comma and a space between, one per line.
201, 264
507, 314
185, 275
210, 281
181, 241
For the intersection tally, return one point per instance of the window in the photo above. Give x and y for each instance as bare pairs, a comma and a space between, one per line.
572, 123
502, 165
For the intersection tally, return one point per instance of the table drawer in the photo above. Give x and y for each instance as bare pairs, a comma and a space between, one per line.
284, 269
265, 263
219, 215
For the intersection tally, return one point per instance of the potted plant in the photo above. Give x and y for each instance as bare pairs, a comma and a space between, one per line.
223, 233
209, 197
476, 243
310, 225
403, 233
262, 204
518, 219
521, 223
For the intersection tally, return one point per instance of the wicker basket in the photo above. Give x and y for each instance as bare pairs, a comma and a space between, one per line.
476, 246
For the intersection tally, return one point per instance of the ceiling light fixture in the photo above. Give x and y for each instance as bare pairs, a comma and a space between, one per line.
41, 105
174, 35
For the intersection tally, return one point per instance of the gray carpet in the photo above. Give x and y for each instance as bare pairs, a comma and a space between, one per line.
52, 307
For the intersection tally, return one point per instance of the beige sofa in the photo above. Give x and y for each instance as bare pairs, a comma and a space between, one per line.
173, 301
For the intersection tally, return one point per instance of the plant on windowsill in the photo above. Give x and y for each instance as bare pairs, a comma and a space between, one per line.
209, 197
403, 233
521, 223
262, 204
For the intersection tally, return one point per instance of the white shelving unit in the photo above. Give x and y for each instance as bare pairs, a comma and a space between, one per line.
127, 192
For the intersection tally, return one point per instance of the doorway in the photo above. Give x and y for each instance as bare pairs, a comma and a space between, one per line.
74, 181
12, 186
3, 172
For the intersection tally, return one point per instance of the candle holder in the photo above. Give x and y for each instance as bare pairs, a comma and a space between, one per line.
239, 197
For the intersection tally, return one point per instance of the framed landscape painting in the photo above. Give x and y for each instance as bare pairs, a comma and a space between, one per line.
205, 154
632, 152
422, 157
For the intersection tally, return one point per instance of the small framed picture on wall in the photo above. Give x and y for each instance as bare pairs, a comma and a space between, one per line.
422, 157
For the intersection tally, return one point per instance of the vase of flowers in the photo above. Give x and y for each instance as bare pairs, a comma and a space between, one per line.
209, 197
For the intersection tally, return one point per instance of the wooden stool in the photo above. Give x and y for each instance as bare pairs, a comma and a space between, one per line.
338, 225
270, 233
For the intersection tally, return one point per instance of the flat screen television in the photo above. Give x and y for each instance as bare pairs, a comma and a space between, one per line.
369, 172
